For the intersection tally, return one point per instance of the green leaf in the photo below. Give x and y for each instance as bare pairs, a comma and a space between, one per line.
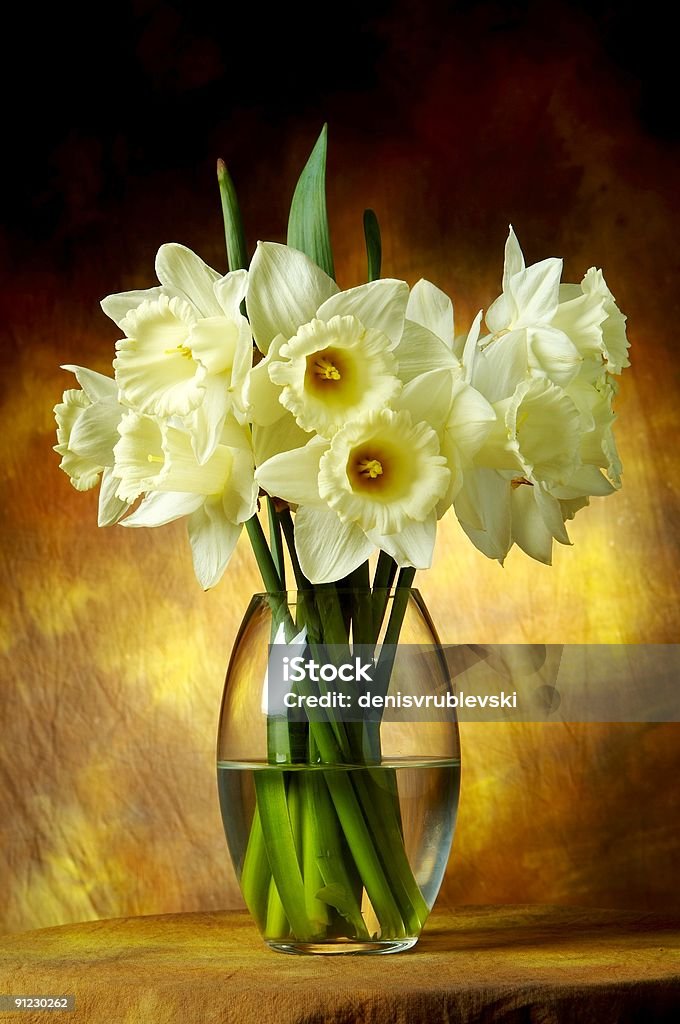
237, 254
308, 219
335, 895
373, 244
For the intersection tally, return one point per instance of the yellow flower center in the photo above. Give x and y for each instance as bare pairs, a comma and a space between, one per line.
180, 350
324, 368
370, 468
155, 458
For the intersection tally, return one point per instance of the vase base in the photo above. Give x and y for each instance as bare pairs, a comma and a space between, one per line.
342, 948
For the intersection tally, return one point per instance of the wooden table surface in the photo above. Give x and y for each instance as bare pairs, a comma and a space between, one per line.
509, 964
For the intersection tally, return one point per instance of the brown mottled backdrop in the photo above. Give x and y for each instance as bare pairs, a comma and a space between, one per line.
450, 120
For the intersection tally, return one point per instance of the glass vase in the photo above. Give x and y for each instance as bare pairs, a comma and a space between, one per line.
339, 820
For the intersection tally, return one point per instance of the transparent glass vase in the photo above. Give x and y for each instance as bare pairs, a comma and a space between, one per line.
339, 822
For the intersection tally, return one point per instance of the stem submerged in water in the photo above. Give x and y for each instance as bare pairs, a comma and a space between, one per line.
335, 825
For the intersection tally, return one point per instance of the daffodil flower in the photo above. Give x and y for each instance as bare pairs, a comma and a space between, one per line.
218, 495
524, 339
332, 356
532, 450
589, 315
87, 430
376, 483
329, 353
187, 348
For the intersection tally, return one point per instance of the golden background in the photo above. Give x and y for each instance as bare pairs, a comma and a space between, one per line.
450, 121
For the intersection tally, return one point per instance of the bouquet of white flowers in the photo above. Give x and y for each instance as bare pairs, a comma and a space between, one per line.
359, 417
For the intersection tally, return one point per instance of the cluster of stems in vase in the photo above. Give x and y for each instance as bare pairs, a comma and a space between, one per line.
327, 826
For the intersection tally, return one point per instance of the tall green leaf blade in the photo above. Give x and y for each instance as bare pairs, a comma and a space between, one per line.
308, 219
373, 244
237, 253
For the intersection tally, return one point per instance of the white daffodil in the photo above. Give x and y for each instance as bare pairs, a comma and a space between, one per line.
524, 338
187, 348
87, 430
218, 495
589, 315
334, 370
459, 414
328, 353
530, 294
375, 484
597, 447
531, 451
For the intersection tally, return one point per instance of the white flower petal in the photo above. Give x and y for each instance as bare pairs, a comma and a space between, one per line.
514, 259
500, 313
553, 353
230, 291
419, 351
161, 507
535, 292
213, 341
213, 539
501, 366
328, 549
206, 422
551, 513
470, 419
96, 432
262, 396
378, 304
184, 273
414, 545
239, 500
111, 507
483, 510
285, 290
587, 480
451, 453
471, 348
528, 528
96, 386
294, 476
429, 398
581, 318
430, 307
119, 305
615, 342
282, 436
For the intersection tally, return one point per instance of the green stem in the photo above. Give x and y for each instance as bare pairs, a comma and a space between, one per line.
281, 849
276, 542
270, 576
312, 848
276, 926
399, 605
361, 844
385, 571
255, 874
